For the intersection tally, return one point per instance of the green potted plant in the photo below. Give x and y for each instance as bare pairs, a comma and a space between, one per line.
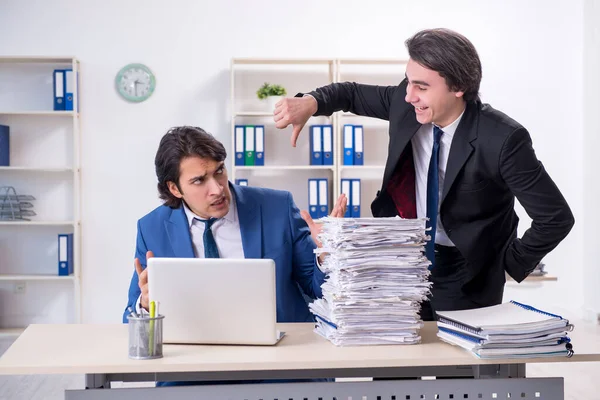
272, 92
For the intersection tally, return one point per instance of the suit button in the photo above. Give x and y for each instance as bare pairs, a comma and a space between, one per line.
448, 231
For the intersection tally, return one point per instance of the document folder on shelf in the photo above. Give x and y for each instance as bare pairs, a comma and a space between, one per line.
249, 146
259, 132
59, 89
327, 144
239, 145
348, 145
316, 145
65, 254
241, 182
358, 145
69, 86
323, 198
355, 199
4, 146
346, 185
313, 198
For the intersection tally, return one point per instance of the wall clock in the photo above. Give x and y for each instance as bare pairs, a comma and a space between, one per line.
135, 82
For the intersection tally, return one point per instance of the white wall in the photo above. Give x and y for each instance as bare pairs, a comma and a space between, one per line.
532, 54
591, 105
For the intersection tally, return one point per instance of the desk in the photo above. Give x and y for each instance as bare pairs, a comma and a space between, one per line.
100, 352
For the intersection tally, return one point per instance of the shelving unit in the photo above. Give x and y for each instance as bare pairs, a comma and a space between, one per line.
281, 159
46, 163
302, 75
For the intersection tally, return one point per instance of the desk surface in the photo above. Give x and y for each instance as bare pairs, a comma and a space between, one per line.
99, 349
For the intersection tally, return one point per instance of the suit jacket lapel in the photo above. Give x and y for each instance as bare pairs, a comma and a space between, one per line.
249, 216
461, 147
178, 230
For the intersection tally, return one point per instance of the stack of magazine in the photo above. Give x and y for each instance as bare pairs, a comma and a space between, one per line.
508, 330
377, 277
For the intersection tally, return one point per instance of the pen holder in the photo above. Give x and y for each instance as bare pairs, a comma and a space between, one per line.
145, 337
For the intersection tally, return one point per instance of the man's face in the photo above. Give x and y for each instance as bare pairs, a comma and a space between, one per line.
204, 187
428, 93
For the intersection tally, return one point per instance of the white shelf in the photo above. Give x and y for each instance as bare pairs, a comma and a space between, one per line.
285, 167
253, 114
361, 167
11, 332
37, 169
290, 61
38, 223
41, 113
371, 119
366, 61
37, 59
326, 61
10, 277
266, 114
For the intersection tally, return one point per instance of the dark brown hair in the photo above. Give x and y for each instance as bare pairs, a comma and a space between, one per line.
450, 54
178, 143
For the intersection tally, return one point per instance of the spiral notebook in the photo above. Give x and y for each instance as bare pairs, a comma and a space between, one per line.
502, 319
508, 330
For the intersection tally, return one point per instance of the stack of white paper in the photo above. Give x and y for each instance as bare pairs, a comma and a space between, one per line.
377, 277
509, 330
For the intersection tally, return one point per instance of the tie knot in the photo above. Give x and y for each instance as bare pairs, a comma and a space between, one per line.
207, 222
437, 134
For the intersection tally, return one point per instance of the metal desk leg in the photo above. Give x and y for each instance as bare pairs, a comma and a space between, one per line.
96, 381
499, 371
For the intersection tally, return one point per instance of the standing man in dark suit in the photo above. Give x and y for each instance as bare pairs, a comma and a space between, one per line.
456, 161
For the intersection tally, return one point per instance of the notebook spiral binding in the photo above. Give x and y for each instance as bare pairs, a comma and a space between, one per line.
530, 308
477, 331
455, 324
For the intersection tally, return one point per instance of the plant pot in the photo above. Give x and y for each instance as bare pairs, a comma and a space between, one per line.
272, 100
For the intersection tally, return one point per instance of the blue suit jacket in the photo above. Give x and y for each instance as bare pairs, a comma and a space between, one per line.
271, 227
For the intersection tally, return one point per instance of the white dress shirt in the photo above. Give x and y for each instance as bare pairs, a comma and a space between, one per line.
226, 232
422, 144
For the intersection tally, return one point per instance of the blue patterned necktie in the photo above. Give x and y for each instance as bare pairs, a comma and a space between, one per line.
210, 246
433, 194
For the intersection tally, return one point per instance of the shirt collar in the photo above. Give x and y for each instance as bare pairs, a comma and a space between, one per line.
450, 129
231, 216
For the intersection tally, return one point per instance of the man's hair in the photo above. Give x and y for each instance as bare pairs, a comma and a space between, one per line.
450, 54
178, 143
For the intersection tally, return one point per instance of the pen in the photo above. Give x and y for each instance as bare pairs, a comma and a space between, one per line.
132, 312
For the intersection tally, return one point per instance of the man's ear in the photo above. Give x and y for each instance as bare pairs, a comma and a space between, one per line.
459, 94
174, 189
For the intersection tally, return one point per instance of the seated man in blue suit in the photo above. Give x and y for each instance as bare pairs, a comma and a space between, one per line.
204, 215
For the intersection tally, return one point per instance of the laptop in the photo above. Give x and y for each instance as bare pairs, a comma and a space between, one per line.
215, 300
